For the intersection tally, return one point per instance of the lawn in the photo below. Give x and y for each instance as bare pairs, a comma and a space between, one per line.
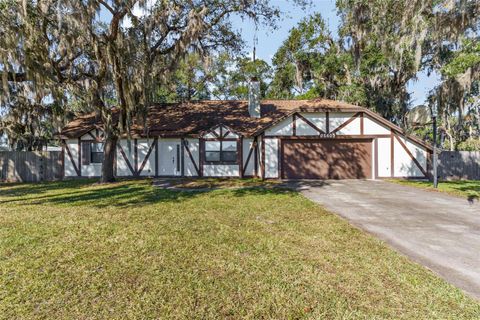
466, 188
75, 250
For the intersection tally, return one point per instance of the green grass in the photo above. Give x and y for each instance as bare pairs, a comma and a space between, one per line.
465, 188
225, 183
75, 250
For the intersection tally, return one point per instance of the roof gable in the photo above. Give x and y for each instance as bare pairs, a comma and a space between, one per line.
195, 118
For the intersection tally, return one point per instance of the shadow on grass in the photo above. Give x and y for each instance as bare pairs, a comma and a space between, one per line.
20, 189
122, 194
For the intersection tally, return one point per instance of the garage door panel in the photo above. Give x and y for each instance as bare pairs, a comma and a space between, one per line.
350, 160
305, 160
327, 159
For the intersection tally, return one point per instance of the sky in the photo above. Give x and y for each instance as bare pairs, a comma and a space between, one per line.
270, 40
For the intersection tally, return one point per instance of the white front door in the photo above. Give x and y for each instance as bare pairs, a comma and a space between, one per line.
169, 156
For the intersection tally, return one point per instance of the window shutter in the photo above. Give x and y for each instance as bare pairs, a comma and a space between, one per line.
85, 153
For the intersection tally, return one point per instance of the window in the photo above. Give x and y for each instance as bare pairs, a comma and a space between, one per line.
221, 151
96, 152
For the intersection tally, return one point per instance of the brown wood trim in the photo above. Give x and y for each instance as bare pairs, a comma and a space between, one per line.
79, 157
91, 135
240, 156
346, 123
361, 124
226, 134
338, 137
369, 113
294, 124
156, 156
255, 164
135, 155
250, 151
220, 139
182, 156
327, 122
309, 123
392, 153
263, 157
280, 158
214, 133
144, 162
201, 155
191, 156
69, 153
129, 165
411, 156
376, 158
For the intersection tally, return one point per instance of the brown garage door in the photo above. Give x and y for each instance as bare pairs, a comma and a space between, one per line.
327, 159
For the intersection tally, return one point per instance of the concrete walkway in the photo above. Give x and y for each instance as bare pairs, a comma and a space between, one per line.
436, 230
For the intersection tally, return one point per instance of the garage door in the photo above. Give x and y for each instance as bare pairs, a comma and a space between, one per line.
327, 159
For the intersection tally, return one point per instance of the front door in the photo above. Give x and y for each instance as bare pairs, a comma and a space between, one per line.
169, 156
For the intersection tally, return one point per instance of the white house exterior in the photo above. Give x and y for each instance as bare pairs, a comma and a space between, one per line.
296, 139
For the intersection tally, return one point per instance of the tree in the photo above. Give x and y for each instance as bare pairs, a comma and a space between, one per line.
310, 64
408, 37
229, 76
97, 60
30, 106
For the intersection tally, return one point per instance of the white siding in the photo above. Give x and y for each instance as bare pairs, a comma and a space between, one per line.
372, 127
193, 146
128, 148
247, 144
271, 158
404, 166
384, 157
221, 170
69, 169
283, 128
304, 129
231, 135
338, 118
143, 145
92, 170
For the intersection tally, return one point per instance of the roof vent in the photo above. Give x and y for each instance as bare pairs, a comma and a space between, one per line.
254, 98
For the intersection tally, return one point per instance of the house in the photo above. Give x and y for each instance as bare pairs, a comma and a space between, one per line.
288, 139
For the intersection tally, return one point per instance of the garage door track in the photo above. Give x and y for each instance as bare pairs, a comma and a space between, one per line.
439, 231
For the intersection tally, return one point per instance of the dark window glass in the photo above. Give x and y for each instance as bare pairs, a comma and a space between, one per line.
221, 151
212, 156
229, 146
96, 152
229, 156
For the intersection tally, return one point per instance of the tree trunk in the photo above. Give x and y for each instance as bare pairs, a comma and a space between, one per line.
110, 147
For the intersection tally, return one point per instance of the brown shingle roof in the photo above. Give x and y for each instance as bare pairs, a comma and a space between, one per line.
193, 118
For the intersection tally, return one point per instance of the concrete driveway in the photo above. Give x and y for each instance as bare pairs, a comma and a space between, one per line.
438, 231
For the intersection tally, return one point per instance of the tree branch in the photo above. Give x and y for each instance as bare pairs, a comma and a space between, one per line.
107, 6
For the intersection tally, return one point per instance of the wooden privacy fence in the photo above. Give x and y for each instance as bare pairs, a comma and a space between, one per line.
35, 166
459, 165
